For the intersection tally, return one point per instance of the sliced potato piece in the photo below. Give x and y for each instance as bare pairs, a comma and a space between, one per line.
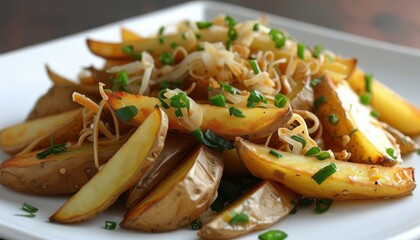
121, 172
407, 145
182, 197
176, 148
355, 129
64, 126
63, 173
215, 118
350, 181
388, 103
128, 35
264, 204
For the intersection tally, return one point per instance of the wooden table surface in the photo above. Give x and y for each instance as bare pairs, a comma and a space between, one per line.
23, 23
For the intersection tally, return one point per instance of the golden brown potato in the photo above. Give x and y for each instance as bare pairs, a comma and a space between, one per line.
217, 119
65, 127
126, 168
175, 149
63, 173
182, 197
264, 204
350, 181
407, 145
128, 35
353, 129
387, 103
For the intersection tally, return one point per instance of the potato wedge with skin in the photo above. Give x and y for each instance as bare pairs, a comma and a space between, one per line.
63, 173
388, 103
351, 181
121, 172
407, 145
182, 197
355, 130
215, 118
264, 204
64, 126
176, 148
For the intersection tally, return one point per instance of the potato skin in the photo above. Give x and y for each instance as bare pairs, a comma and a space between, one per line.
181, 200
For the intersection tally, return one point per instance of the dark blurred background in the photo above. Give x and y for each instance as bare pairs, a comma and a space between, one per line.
23, 22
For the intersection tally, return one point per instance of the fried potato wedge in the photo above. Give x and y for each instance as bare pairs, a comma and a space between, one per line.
64, 126
128, 35
407, 145
264, 204
176, 148
121, 172
350, 181
63, 173
388, 103
355, 130
215, 118
182, 197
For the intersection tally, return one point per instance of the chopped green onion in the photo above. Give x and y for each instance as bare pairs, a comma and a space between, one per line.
232, 34
323, 156
129, 50
374, 113
317, 51
294, 210
204, 25
120, 82
236, 112
174, 45
314, 82
365, 99
199, 136
256, 27
313, 151
324, 173
126, 113
274, 35
305, 201
368, 83
161, 40
280, 100
217, 140
161, 98
53, 149
164, 85
218, 100
110, 225
161, 30
322, 205
29, 208
180, 101
299, 139
273, 235
254, 98
353, 131
166, 58
228, 44
196, 225
301, 50
200, 47
320, 100
254, 66
240, 217
333, 119
230, 89
230, 21
197, 35
178, 113
275, 153
391, 153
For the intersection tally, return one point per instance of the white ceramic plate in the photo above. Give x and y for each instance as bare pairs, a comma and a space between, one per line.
24, 80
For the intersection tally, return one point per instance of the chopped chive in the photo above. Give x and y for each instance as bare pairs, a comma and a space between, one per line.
163, 85
228, 88
240, 217
254, 98
254, 66
161, 30
120, 82
374, 113
323, 156
319, 101
204, 25
368, 83
178, 113
197, 35
217, 140
299, 139
199, 136
180, 101
324, 173
280, 100
391, 153
230, 21
126, 113
218, 100
29, 208
166, 58
275, 153
200, 47
161, 40
317, 51
174, 45
323, 205
273, 235
313, 151
314, 82
305, 201
161, 98
29, 215
236, 112
196, 225
301, 50
232, 34
274, 35
333, 119
256, 27
129, 50
365, 99
110, 225
53, 149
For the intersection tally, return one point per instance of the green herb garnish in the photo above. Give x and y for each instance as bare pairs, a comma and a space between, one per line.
333, 119
280, 100
368, 83
218, 100
238, 217
53, 149
256, 27
254, 98
129, 50
317, 51
324, 173
273, 235
313, 151
228, 88
274, 35
196, 225
236, 112
204, 25
275, 153
299, 139
391, 153
126, 113
323, 205
166, 58
322, 156
314, 82
365, 99
301, 50
110, 225
254, 66
374, 113
319, 101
